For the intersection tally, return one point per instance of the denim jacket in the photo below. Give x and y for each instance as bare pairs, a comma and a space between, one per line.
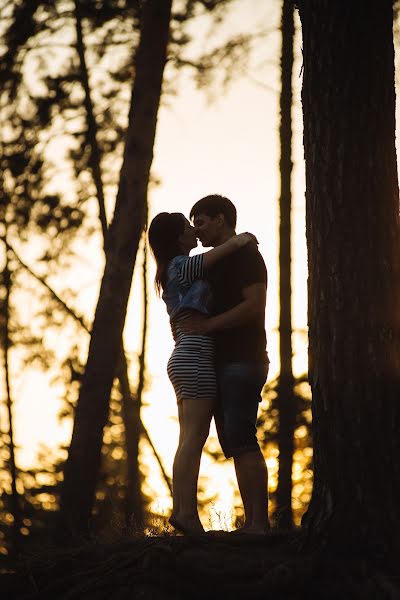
185, 288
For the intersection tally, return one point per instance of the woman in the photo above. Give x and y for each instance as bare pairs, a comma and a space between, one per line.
181, 279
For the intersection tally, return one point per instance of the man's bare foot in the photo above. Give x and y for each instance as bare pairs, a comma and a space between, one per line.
251, 530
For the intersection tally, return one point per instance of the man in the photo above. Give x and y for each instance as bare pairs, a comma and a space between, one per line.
239, 286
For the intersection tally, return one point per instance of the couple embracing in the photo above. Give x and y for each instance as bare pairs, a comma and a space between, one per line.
216, 305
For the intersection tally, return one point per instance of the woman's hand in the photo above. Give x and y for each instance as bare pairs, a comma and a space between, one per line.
245, 238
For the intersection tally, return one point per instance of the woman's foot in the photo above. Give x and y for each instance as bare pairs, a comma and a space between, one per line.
187, 526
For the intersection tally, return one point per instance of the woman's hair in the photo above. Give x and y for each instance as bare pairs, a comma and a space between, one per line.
164, 232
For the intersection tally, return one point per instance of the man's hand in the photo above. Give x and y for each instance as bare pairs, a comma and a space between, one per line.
196, 324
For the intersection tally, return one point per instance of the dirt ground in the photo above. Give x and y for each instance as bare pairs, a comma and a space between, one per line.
216, 565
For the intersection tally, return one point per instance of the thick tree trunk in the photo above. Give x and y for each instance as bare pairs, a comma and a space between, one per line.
286, 398
82, 466
353, 243
130, 407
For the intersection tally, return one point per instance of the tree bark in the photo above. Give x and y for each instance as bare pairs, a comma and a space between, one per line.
83, 463
286, 398
352, 222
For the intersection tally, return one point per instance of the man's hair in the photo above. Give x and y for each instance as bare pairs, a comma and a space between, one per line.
214, 205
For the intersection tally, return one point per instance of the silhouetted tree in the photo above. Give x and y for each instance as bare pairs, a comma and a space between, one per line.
14, 504
353, 239
130, 405
134, 513
286, 399
82, 466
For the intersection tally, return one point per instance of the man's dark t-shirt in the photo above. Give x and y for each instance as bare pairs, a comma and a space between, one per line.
228, 277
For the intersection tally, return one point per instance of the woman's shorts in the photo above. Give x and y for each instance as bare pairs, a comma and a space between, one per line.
191, 368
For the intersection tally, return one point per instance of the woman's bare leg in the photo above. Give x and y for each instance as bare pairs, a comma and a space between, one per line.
175, 468
194, 419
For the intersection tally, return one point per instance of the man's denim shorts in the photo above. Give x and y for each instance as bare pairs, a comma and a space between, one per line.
239, 393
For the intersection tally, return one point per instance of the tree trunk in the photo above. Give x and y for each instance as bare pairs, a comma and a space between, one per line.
91, 133
353, 241
14, 507
130, 407
83, 463
286, 398
134, 513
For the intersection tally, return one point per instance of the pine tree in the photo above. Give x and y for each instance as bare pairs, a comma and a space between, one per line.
353, 240
286, 399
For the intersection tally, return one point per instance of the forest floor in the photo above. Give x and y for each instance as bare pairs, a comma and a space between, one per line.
215, 565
